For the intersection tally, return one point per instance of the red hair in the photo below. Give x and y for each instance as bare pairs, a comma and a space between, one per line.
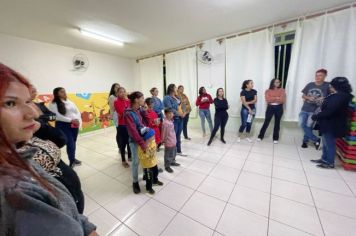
9, 157
324, 71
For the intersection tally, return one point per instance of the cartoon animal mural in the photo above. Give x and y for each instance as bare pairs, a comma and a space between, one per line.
93, 107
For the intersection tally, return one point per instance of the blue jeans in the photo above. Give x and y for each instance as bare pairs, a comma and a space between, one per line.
244, 124
205, 113
308, 130
329, 148
178, 128
71, 135
135, 162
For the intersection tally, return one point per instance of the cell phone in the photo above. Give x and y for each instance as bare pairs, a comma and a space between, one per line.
74, 126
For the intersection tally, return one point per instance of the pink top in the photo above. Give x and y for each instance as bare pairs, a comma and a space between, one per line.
168, 134
277, 96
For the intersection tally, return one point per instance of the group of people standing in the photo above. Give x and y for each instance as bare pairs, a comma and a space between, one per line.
275, 98
325, 109
135, 116
37, 188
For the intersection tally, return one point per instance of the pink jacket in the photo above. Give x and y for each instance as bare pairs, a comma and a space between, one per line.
168, 134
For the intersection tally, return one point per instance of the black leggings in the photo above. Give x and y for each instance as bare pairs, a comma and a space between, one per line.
71, 181
117, 137
123, 141
151, 176
185, 125
277, 112
220, 121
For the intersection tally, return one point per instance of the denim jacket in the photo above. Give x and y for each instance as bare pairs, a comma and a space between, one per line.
157, 105
171, 102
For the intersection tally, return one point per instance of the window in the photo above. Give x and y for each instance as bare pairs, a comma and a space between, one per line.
282, 52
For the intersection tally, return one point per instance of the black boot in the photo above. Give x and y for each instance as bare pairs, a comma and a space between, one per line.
210, 141
149, 181
223, 140
136, 188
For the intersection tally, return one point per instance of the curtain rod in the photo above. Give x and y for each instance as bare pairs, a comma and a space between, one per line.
333, 10
167, 52
313, 15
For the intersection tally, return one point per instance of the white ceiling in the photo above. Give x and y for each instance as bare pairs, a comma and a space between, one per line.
148, 26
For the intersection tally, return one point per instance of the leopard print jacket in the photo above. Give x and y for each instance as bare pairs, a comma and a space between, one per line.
47, 156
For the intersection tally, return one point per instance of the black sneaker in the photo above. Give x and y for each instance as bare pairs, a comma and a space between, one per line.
318, 161
160, 170
210, 141
136, 188
175, 164
326, 166
159, 183
77, 162
169, 169
187, 138
151, 191
317, 144
223, 140
304, 145
71, 165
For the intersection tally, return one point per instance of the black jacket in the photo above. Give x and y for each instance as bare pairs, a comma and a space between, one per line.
47, 132
220, 105
333, 116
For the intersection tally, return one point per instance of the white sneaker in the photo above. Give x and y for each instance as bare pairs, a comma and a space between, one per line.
259, 140
181, 154
249, 140
275, 141
238, 139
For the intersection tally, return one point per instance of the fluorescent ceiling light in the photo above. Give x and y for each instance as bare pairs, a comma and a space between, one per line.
101, 37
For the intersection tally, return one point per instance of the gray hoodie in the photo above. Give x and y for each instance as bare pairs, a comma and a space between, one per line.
26, 208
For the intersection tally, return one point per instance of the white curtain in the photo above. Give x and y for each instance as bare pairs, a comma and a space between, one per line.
249, 56
151, 75
181, 69
329, 42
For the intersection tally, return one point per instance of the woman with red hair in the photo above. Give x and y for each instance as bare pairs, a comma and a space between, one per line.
31, 201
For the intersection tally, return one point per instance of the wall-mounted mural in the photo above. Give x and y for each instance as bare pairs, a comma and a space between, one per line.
93, 107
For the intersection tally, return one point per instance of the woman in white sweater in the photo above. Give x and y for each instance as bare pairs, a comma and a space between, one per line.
68, 119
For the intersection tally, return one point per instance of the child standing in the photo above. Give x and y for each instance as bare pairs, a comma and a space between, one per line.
154, 121
169, 140
148, 160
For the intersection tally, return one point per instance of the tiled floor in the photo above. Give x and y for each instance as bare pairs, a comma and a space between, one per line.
225, 189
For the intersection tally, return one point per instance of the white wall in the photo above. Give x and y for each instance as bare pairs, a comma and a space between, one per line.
49, 66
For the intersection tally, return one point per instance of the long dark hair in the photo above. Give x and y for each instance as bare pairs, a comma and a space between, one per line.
341, 84
134, 95
245, 83
217, 92
201, 90
56, 99
170, 89
13, 164
112, 90
271, 84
